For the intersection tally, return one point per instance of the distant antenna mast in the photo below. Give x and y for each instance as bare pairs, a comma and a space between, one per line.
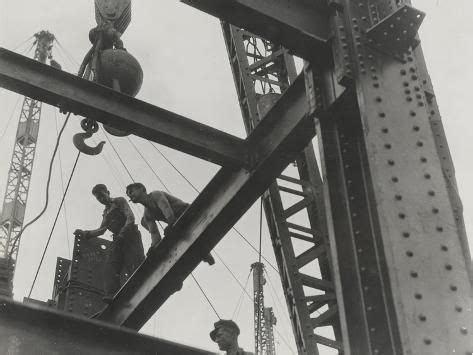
264, 317
19, 175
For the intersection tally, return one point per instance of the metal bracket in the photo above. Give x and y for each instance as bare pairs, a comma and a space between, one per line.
396, 33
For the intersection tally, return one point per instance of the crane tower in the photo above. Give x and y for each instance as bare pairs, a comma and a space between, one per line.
19, 175
264, 316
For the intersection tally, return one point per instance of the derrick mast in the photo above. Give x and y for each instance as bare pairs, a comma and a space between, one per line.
19, 175
264, 317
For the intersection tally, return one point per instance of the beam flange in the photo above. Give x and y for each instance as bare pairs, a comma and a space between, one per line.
30, 329
301, 26
276, 141
41, 82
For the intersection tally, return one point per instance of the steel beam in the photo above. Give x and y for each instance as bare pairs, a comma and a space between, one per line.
302, 26
41, 82
276, 141
30, 329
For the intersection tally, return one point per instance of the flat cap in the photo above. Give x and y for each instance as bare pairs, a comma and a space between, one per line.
224, 323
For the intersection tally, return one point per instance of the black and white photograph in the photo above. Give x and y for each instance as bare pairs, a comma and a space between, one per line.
236, 177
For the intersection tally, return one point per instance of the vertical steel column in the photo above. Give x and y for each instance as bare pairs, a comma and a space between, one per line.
19, 176
398, 245
293, 205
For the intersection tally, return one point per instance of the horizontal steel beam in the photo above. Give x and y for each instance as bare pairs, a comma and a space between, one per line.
30, 329
41, 82
302, 26
276, 141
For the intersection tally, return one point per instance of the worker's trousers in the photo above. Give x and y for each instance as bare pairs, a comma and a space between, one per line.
125, 255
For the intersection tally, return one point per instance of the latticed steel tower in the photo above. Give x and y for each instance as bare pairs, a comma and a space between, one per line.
19, 175
264, 317
294, 203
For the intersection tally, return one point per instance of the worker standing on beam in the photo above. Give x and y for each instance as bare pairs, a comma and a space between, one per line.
126, 252
159, 206
225, 334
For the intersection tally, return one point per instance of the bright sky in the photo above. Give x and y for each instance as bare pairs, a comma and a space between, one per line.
186, 71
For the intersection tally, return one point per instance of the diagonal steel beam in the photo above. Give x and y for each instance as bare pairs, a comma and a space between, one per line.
41, 82
301, 26
275, 142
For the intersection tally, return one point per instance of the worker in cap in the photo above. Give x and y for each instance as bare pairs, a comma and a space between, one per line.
126, 252
225, 334
159, 206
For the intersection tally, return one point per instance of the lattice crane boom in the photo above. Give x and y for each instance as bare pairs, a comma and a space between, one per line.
19, 175
264, 317
293, 204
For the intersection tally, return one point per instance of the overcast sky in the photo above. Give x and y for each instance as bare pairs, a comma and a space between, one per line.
186, 71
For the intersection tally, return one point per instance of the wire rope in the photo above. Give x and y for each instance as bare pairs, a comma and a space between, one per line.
63, 189
54, 224
22, 43
236, 311
67, 54
118, 155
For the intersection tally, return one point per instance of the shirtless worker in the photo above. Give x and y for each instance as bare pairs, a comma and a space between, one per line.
159, 206
126, 251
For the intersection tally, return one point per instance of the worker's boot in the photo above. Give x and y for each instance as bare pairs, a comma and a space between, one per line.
209, 259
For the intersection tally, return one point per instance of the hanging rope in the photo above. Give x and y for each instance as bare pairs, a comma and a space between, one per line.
17, 238
118, 155
22, 43
236, 311
147, 163
54, 224
206, 297
63, 189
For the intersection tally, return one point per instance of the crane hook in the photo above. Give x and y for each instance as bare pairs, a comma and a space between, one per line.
90, 127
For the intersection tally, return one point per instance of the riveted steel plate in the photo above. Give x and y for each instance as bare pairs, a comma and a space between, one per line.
396, 33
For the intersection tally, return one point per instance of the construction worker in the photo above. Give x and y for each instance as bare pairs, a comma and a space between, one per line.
225, 334
159, 206
126, 251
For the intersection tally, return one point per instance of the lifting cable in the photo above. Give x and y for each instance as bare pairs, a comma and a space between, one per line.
22, 43
237, 309
58, 140
54, 224
67, 54
118, 155
62, 187
198, 191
